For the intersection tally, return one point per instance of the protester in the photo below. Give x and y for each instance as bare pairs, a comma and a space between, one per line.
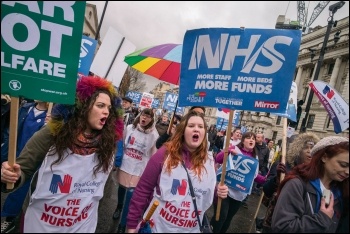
129, 112
139, 145
211, 136
166, 136
31, 117
165, 179
5, 114
163, 124
270, 146
263, 153
231, 205
76, 153
235, 138
219, 142
301, 207
298, 152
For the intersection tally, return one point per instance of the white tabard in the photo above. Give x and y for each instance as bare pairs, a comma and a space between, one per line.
66, 198
176, 212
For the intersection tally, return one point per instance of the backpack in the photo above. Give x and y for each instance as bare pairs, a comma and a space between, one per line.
271, 207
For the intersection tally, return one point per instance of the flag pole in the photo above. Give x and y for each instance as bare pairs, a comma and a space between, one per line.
222, 179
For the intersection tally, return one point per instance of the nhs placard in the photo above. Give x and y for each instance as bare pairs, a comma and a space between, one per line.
244, 69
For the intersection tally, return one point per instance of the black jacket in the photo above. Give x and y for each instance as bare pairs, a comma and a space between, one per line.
263, 153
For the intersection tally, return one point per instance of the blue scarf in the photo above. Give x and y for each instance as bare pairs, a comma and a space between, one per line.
317, 185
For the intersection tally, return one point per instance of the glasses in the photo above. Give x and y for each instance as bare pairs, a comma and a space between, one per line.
146, 116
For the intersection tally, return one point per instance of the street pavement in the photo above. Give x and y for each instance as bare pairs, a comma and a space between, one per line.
242, 222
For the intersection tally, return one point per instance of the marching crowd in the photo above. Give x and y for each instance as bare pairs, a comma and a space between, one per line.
64, 161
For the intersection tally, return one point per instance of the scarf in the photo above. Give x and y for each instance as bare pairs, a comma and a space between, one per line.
146, 131
86, 143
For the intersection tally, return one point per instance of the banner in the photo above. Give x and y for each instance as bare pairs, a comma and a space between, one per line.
244, 69
40, 47
291, 110
170, 100
240, 172
335, 105
155, 103
146, 100
135, 97
169, 104
222, 123
87, 52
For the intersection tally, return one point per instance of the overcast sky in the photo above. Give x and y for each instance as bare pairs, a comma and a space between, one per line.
151, 23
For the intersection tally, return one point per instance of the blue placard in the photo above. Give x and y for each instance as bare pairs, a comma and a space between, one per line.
240, 172
87, 51
291, 111
222, 123
135, 96
155, 103
170, 100
244, 69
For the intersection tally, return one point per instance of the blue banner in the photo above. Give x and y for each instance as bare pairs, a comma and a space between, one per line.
222, 123
244, 69
240, 172
170, 100
155, 103
87, 51
291, 111
135, 96
180, 110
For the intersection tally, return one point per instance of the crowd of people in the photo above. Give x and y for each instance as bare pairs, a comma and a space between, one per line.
63, 163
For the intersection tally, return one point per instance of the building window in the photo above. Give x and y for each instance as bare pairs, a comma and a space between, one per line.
330, 68
90, 14
328, 122
278, 122
257, 113
310, 121
274, 136
267, 114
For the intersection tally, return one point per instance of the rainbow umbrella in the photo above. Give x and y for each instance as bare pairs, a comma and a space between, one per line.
161, 61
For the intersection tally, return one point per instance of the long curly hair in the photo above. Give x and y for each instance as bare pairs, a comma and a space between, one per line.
174, 147
68, 121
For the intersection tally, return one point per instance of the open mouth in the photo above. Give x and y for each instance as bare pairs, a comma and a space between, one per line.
103, 120
195, 137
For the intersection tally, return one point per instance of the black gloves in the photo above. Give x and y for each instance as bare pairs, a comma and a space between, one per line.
281, 168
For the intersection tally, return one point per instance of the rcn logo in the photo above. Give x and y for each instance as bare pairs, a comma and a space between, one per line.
56, 182
268, 105
227, 49
328, 92
178, 187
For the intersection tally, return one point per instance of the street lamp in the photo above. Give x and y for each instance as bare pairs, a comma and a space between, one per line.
333, 8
